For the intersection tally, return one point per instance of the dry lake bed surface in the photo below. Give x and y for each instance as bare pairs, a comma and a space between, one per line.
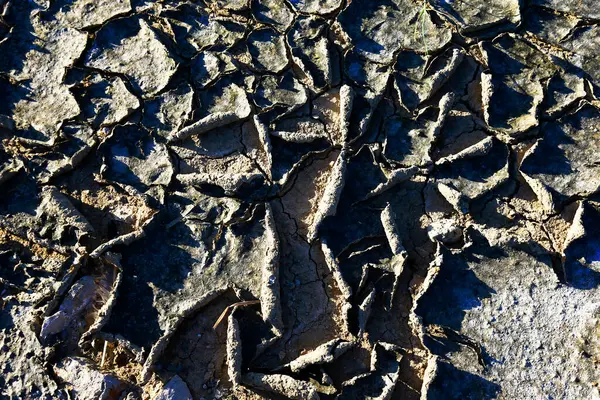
299, 199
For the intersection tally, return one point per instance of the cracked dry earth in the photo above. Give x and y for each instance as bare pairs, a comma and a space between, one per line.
301, 199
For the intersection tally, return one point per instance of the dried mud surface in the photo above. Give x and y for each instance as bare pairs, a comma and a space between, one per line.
301, 199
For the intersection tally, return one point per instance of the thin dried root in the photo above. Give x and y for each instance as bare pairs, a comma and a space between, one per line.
103, 354
231, 307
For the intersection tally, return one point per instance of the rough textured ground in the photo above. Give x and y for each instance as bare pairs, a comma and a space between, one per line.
302, 199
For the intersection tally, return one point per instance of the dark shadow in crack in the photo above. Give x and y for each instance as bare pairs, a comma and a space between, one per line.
355, 220
508, 103
124, 152
443, 342
582, 256
452, 383
19, 194
559, 89
499, 60
134, 315
21, 39
549, 158
477, 169
286, 154
580, 276
456, 289
157, 260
